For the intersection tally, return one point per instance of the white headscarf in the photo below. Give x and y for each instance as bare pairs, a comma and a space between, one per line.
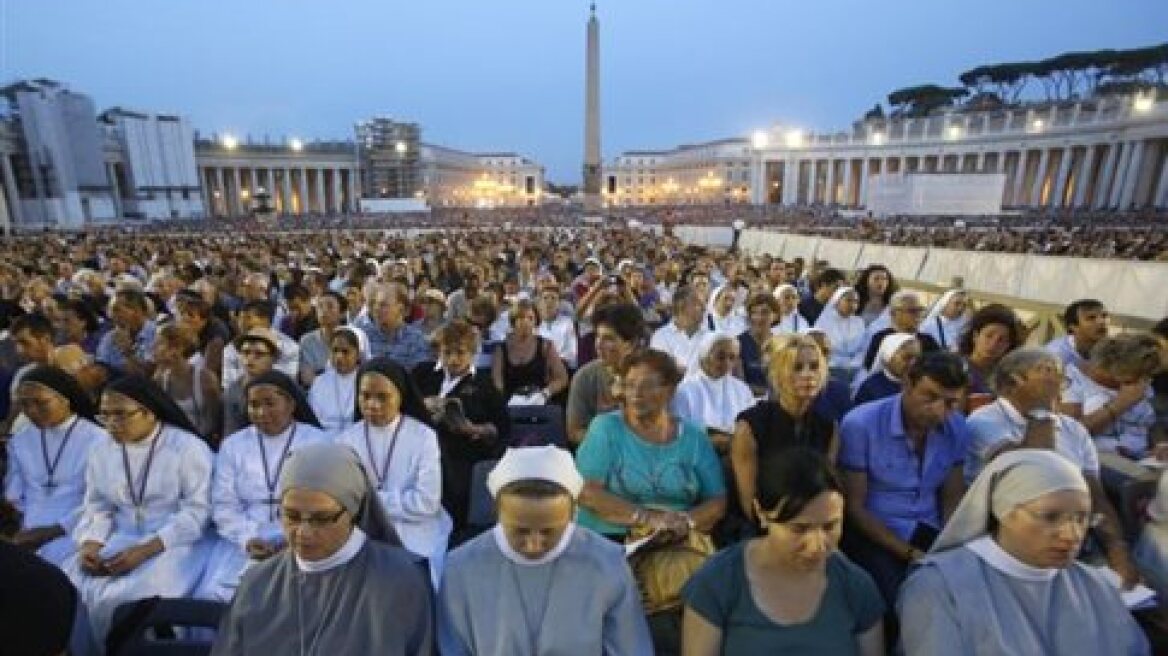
362, 341
1010, 480
711, 402
946, 331
542, 463
844, 334
888, 349
733, 322
792, 323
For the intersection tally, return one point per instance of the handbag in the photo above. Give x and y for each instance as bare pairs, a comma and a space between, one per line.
662, 568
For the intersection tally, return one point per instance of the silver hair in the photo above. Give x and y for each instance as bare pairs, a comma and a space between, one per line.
1016, 363
899, 298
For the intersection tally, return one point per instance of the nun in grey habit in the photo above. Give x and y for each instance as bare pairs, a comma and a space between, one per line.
369, 596
970, 596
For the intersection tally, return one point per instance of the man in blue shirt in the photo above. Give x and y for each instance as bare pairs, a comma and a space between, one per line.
902, 459
389, 334
129, 347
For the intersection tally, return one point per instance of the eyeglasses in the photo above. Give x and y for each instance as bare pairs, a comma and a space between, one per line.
292, 519
1053, 520
117, 416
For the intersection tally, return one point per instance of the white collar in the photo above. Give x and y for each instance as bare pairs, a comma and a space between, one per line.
519, 559
388, 428
64, 426
342, 556
278, 436
1011, 412
995, 556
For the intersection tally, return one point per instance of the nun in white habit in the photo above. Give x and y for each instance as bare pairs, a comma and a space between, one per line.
45, 479
790, 321
845, 332
400, 451
710, 395
333, 393
537, 583
147, 504
1002, 577
247, 473
947, 319
722, 312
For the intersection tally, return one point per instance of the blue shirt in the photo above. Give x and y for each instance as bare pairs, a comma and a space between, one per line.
902, 491
109, 355
407, 346
678, 475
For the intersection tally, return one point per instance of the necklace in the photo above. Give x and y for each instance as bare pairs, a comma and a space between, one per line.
139, 500
51, 467
272, 481
382, 473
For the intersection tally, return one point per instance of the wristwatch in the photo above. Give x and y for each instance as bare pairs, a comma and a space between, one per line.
1039, 414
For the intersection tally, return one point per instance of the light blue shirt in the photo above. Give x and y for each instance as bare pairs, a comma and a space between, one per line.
109, 355
902, 490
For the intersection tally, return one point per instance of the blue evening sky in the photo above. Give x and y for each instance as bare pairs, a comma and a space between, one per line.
509, 74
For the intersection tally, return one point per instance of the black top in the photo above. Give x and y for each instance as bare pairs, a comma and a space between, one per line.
527, 377
481, 403
810, 308
928, 345
775, 430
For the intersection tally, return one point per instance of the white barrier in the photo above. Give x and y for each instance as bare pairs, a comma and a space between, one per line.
1135, 289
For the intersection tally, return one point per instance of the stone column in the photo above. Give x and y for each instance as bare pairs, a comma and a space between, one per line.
1160, 197
321, 201
236, 206
219, 186
15, 214
354, 201
846, 200
862, 197
1106, 176
829, 193
1035, 199
1083, 178
1064, 174
1117, 182
286, 183
1019, 181
338, 193
812, 171
1132, 177
305, 205
791, 181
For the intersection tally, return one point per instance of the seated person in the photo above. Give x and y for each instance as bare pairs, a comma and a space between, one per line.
902, 461
790, 590
515, 589
710, 396
897, 353
1002, 577
525, 364
1111, 394
1151, 550
620, 329
344, 586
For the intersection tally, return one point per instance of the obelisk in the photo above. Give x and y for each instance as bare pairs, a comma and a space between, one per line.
592, 200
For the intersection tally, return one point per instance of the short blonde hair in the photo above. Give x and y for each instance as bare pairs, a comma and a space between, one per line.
782, 351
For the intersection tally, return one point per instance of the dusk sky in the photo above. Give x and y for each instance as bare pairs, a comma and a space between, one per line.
509, 75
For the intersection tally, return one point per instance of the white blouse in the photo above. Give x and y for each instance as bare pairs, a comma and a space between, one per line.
332, 397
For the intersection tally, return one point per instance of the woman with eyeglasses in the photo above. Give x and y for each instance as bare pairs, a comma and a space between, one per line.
247, 471
1002, 577
789, 590
45, 479
647, 471
897, 353
344, 585
400, 451
147, 503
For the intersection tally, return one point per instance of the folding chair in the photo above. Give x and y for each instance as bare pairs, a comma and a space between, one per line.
139, 625
537, 425
481, 514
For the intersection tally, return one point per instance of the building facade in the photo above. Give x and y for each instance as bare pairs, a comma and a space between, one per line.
708, 173
455, 178
1107, 153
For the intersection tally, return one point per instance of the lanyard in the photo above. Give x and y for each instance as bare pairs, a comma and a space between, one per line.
140, 499
51, 467
533, 635
383, 473
269, 480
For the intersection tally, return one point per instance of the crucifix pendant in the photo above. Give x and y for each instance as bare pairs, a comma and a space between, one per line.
50, 486
139, 517
271, 508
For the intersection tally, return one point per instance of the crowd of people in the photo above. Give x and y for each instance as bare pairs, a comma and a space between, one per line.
326, 431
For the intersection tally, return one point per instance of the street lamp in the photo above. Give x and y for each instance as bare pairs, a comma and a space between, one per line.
401, 148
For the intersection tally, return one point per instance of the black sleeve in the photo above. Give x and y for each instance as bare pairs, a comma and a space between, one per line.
874, 347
